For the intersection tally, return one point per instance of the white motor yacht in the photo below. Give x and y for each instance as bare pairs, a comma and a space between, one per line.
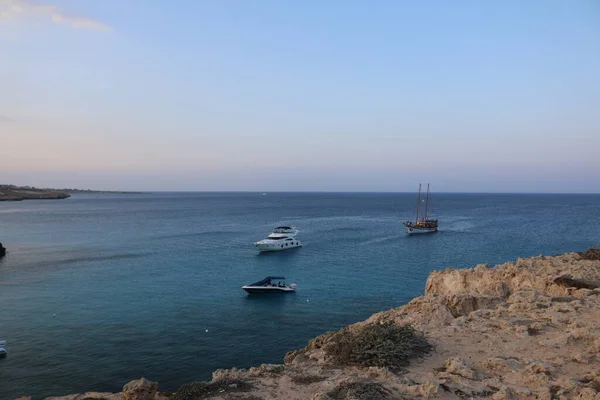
282, 238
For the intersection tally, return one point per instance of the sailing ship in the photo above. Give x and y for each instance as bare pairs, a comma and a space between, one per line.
425, 224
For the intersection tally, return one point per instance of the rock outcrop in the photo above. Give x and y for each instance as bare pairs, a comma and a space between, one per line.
141, 389
523, 330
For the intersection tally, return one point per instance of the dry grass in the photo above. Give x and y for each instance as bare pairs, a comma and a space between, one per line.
368, 390
204, 390
377, 345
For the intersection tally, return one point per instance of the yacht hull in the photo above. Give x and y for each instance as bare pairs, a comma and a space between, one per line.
274, 246
267, 290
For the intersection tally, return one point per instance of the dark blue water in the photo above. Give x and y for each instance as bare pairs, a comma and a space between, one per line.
99, 290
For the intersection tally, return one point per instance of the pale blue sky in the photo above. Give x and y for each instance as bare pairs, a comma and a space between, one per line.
301, 95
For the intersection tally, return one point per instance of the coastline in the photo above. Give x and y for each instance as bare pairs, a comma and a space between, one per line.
10, 194
523, 329
18, 193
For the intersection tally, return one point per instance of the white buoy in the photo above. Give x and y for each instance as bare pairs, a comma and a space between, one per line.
307, 300
206, 330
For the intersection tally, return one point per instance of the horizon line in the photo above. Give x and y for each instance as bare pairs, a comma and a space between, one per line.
325, 191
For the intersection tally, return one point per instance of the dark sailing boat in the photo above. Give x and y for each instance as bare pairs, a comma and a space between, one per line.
425, 224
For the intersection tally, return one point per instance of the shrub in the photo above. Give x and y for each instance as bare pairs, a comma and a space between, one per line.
359, 390
378, 345
591, 253
203, 390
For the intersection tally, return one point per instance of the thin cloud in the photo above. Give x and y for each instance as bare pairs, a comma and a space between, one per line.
5, 119
15, 9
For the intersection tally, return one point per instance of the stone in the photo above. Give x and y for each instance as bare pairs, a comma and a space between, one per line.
266, 369
463, 304
140, 389
587, 394
503, 394
538, 367
457, 366
503, 364
568, 281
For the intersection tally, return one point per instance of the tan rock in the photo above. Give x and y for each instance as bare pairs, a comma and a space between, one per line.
266, 369
538, 367
503, 364
503, 394
140, 389
587, 394
457, 366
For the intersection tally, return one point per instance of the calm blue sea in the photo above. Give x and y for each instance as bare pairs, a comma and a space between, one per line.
98, 290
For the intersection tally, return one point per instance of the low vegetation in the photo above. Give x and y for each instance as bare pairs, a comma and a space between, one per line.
359, 390
377, 345
591, 254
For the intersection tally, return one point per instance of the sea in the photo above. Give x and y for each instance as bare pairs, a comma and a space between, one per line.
100, 289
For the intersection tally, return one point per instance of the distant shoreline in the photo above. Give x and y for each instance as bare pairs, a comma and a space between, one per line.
20, 193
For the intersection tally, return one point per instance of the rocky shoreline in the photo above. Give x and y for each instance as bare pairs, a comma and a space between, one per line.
528, 329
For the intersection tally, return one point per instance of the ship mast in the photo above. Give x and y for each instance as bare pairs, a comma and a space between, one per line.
427, 201
418, 203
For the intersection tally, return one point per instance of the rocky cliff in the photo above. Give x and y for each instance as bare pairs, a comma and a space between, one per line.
528, 329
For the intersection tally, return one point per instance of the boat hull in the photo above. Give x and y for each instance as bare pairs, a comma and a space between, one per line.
274, 246
267, 290
415, 231
412, 229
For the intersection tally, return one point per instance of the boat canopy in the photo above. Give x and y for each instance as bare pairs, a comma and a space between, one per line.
284, 227
268, 279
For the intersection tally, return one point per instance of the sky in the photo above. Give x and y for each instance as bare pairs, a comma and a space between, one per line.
311, 95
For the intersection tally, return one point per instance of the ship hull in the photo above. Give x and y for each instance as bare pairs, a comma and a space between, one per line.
415, 231
411, 229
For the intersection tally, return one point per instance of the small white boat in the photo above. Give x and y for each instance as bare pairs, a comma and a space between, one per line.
282, 238
268, 285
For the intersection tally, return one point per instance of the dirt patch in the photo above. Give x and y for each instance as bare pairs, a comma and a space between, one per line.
304, 379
